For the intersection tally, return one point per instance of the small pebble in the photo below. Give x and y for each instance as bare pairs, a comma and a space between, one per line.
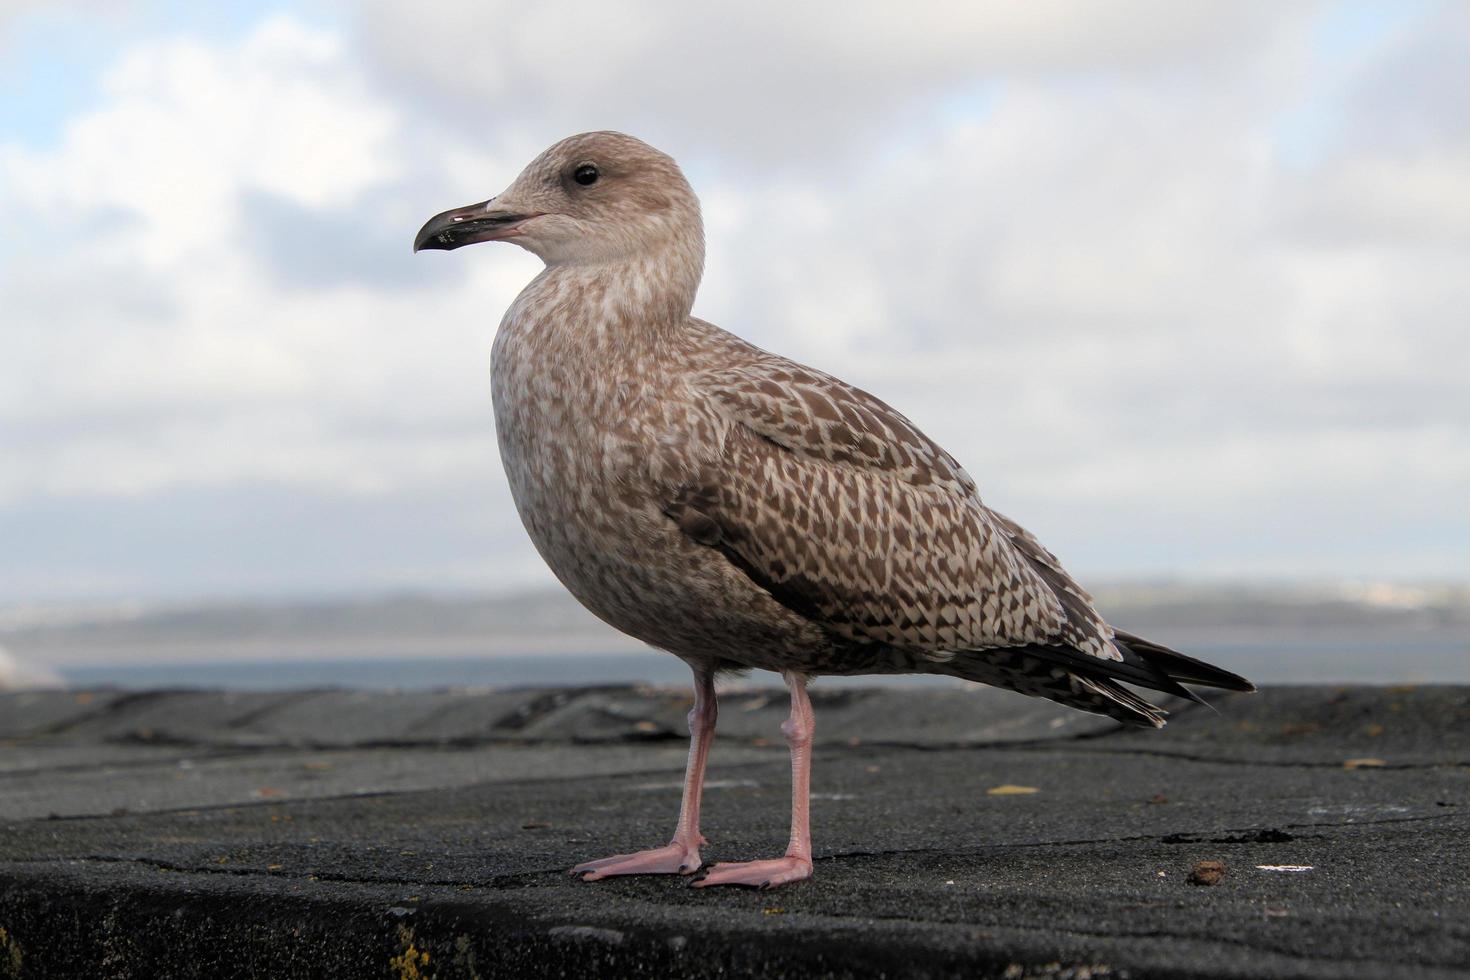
1207, 873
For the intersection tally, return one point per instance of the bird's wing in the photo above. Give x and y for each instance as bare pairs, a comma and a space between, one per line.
807, 411
1083, 626
844, 511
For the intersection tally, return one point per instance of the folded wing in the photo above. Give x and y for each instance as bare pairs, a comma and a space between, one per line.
845, 511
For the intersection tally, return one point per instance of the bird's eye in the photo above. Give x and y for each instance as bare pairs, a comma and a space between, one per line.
586, 175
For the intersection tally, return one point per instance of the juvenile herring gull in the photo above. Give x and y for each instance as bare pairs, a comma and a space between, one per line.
740, 510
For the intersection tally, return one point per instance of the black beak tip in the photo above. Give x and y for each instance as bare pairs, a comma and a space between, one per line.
431, 236
458, 226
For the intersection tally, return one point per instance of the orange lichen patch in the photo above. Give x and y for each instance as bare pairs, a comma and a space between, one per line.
412, 963
1010, 789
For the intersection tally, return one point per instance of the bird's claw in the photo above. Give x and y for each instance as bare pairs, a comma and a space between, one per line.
758, 874
673, 858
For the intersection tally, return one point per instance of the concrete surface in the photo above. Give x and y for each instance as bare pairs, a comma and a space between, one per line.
345, 834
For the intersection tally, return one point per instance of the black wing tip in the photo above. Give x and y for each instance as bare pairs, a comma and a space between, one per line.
1181, 668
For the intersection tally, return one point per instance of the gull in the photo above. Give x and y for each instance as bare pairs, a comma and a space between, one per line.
740, 510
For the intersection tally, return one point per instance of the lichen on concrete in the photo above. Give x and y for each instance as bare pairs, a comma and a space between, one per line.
411, 963
10, 956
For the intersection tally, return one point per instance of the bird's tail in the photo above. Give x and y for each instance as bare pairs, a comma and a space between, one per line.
1083, 681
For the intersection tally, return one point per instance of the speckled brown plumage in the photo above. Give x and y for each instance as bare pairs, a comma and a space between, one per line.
738, 509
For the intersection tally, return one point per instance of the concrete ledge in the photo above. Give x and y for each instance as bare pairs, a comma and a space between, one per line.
330, 833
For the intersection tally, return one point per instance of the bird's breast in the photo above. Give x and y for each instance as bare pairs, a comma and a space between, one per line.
592, 435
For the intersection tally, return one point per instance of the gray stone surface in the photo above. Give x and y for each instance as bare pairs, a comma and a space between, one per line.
329, 833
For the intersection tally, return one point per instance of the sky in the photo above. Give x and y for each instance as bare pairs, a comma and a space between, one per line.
1182, 285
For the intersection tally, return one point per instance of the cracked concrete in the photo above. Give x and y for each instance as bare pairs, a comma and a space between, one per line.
325, 833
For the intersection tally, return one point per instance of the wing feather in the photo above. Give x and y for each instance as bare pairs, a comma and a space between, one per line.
845, 511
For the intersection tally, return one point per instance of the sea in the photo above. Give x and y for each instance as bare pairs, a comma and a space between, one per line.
1434, 661
1270, 634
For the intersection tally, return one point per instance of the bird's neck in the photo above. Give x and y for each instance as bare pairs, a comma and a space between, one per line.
648, 293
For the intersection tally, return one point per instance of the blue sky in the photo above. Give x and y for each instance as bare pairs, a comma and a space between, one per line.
1180, 284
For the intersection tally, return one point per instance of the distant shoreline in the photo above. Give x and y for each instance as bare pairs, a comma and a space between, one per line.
1274, 634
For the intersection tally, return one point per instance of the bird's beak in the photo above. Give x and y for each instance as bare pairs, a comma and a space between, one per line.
487, 221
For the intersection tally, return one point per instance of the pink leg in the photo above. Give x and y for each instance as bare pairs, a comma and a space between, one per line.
680, 855
797, 864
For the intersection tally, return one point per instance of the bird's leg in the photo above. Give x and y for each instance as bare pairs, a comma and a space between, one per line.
680, 855
797, 864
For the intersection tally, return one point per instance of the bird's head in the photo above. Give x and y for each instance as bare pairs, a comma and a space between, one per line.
596, 197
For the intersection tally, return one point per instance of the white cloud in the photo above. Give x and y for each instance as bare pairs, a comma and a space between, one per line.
156, 349
186, 126
769, 80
